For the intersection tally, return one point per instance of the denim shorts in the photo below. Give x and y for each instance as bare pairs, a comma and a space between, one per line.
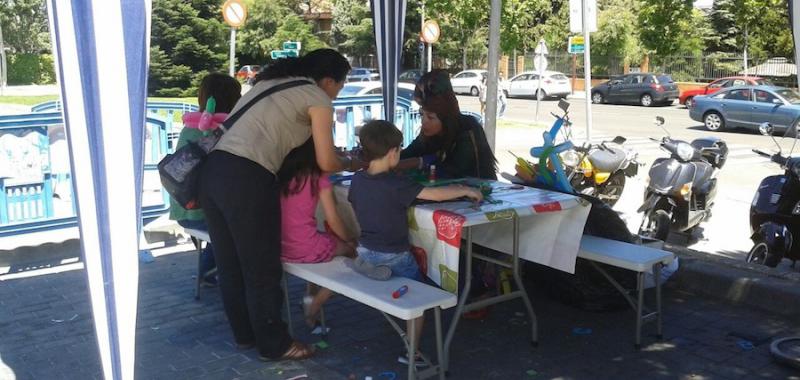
402, 264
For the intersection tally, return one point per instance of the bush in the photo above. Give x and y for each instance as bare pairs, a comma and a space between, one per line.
31, 69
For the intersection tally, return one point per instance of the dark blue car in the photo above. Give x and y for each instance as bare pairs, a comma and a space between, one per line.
748, 107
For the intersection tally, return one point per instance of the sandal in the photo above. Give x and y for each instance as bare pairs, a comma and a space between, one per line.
298, 351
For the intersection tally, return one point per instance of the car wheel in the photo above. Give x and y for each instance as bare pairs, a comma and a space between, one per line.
714, 122
506, 94
597, 98
760, 254
540, 94
689, 103
646, 100
473, 91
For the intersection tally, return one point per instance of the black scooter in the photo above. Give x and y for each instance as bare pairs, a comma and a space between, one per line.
775, 211
682, 188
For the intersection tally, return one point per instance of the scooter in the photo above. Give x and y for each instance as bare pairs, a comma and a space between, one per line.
775, 211
681, 188
599, 170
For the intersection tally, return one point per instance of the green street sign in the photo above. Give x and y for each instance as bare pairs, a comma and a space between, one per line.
575, 45
291, 45
277, 54
292, 53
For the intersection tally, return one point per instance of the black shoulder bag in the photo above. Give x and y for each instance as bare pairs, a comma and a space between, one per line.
180, 171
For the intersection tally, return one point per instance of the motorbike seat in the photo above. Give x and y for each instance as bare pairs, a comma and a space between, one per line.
607, 160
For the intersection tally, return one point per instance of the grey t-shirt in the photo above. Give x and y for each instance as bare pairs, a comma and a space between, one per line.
275, 125
381, 204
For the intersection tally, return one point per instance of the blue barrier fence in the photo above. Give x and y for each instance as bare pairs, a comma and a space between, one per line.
28, 205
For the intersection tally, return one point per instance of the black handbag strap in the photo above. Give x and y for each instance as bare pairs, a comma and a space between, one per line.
228, 123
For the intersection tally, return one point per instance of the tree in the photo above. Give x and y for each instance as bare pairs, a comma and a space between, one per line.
665, 27
24, 24
293, 28
461, 21
187, 42
761, 25
263, 19
352, 29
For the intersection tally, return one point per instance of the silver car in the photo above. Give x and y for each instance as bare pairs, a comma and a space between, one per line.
748, 106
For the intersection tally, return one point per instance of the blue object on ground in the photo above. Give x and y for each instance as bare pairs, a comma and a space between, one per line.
745, 345
581, 331
388, 375
146, 257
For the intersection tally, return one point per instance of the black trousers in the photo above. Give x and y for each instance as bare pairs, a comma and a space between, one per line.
241, 201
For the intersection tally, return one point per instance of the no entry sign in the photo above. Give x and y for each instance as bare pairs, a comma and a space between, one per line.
430, 31
234, 13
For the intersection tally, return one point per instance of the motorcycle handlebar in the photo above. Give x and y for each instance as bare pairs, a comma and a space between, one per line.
776, 158
760, 153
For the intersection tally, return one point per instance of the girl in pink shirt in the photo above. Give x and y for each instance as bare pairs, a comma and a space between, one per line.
303, 186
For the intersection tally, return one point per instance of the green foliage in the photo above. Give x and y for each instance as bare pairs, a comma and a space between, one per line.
665, 27
263, 19
765, 21
359, 39
29, 68
525, 22
348, 15
617, 31
186, 38
293, 28
24, 24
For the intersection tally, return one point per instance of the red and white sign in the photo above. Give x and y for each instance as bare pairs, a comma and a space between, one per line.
431, 31
234, 12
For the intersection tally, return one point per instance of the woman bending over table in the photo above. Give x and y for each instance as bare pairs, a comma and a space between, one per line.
241, 195
454, 142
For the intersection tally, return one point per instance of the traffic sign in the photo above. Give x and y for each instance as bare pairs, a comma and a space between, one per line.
431, 31
576, 15
541, 48
234, 12
540, 57
285, 53
291, 45
575, 45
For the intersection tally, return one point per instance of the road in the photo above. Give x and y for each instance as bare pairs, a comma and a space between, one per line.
725, 233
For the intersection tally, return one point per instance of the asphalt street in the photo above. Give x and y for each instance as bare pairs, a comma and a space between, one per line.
725, 233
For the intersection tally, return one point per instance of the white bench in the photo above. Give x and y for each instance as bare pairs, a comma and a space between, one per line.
340, 278
637, 258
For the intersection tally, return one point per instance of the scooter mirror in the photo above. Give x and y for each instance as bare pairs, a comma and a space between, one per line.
659, 121
766, 129
563, 104
619, 140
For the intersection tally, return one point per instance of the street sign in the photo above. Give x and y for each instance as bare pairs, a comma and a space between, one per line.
285, 53
541, 48
576, 15
291, 45
234, 13
431, 31
575, 45
540, 57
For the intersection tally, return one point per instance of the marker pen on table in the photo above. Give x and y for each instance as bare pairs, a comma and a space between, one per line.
399, 292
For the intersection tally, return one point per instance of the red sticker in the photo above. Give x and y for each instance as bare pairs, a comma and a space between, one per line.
547, 207
448, 226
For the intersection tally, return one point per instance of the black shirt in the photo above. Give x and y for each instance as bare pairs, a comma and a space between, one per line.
381, 204
468, 156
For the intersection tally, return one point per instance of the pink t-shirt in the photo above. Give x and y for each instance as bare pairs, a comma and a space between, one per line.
300, 240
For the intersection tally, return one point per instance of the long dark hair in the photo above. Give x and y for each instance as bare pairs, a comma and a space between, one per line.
318, 64
300, 168
225, 90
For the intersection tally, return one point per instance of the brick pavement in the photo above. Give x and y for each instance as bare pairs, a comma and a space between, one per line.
47, 333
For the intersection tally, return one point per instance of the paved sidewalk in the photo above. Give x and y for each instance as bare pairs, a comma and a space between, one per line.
47, 331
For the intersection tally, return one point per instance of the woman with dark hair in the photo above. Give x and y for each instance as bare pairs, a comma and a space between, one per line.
454, 142
241, 194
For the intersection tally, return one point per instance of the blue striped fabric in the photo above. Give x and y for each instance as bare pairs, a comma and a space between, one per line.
104, 114
389, 21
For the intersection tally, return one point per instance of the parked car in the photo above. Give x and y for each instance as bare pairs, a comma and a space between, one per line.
748, 106
248, 72
361, 74
687, 96
554, 84
468, 81
640, 88
410, 76
363, 114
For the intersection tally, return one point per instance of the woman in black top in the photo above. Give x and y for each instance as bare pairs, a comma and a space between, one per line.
454, 142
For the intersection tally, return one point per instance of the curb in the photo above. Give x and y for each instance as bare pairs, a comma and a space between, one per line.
754, 286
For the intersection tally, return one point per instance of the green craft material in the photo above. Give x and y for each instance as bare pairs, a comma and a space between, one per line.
322, 344
531, 372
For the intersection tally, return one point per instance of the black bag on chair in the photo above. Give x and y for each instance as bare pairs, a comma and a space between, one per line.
180, 171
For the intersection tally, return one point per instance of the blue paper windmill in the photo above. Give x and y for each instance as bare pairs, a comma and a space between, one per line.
556, 180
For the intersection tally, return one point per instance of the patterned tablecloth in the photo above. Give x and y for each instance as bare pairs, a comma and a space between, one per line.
551, 225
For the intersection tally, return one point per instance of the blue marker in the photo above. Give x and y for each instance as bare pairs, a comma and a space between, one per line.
399, 292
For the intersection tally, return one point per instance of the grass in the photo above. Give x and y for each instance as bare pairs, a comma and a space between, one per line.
27, 100
34, 100
502, 123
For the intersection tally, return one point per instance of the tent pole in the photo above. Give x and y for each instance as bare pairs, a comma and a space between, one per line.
490, 121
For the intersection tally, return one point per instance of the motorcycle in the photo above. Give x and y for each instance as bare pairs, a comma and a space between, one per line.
681, 188
599, 170
775, 211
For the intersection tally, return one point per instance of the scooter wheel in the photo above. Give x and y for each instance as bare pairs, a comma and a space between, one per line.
787, 351
660, 222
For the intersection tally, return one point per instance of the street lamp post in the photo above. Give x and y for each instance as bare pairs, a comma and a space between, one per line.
3, 71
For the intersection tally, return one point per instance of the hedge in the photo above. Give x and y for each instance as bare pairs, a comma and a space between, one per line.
30, 69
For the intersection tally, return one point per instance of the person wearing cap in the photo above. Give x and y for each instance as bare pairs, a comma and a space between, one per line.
454, 142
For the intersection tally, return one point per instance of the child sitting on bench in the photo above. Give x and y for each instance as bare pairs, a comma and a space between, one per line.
380, 199
303, 186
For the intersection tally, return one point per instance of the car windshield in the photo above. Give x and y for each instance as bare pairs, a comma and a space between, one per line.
790, 95
350, 90
763, 82
358, 72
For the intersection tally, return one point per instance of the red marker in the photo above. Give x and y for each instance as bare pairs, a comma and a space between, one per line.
399, 292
